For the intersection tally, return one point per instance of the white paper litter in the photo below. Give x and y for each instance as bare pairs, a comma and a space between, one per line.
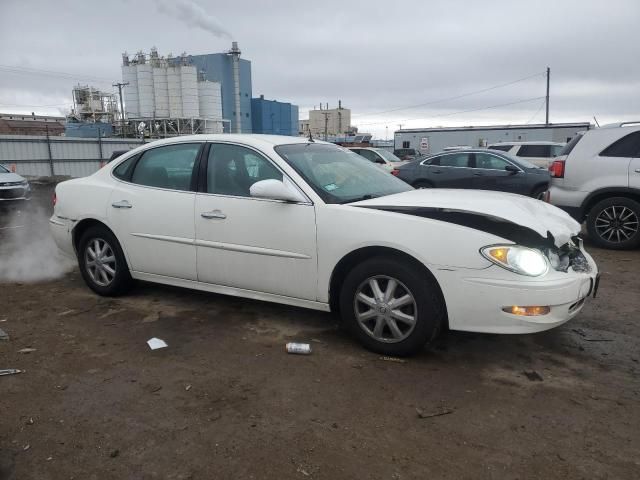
156, 343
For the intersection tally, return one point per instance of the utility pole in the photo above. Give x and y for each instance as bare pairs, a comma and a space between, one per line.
326, 123
547, 98
120, 85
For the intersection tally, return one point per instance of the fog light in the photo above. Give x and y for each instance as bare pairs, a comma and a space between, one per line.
526, 311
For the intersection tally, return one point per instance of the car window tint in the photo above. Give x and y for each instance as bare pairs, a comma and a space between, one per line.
169, 167
543, 151
627, 146
503, 148
123, 171
455, 160
231, 170
484, 160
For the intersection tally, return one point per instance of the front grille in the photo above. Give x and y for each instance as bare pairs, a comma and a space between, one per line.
12, 193
9, 184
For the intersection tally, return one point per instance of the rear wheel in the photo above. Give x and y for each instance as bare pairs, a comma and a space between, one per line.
391, 307
102, 263
614, 223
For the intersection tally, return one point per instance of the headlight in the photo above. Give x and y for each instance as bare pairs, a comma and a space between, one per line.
522, 260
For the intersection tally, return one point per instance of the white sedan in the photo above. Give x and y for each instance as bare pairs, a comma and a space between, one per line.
314, 225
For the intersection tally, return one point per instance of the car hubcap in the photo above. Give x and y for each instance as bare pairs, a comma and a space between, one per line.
617, 224
100, 262
385, 309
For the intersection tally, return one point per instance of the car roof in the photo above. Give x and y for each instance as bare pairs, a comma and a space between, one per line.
250, 139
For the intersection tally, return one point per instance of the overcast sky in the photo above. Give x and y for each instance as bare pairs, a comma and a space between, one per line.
375, 55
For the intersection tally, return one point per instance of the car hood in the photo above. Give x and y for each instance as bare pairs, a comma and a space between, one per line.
466, 207
10, 177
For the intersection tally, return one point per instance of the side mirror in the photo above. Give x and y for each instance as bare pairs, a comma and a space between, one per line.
275, 190
512, 169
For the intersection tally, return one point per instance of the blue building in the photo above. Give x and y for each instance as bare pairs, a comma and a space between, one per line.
218, 67
272, 117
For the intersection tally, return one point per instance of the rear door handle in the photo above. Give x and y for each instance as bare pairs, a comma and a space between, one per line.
121, 204
213, 214
478, 174
637, 170
437, 171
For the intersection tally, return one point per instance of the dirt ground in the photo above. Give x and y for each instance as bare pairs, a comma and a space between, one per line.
224, 400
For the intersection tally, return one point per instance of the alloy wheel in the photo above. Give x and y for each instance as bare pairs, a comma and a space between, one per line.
100, 262
616, 224
385, 309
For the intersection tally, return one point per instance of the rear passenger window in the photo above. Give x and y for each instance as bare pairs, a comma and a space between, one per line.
627, 146
169, 167
455, 160
502, 148
543, 151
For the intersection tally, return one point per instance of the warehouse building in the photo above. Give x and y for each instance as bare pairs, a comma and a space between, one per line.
434, 140
273, 117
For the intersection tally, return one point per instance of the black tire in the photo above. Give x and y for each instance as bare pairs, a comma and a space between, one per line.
429, 307
121, 280
422, 184
627, 216
538, 192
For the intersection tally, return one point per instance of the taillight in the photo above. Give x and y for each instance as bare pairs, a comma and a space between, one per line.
557, 169
54, 199
395, 172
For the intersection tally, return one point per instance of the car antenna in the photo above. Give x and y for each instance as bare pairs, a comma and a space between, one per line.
311, 138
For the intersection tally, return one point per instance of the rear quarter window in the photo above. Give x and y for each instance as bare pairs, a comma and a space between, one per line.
502, 148
627, 146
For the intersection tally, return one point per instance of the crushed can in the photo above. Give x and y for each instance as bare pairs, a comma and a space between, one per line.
298, 348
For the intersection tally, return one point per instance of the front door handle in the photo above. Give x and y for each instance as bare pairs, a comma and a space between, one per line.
436, 171
121, 204
478, 174
213, 214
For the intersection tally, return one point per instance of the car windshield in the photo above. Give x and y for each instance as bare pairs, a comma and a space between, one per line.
338, 175
388, 156
3, 169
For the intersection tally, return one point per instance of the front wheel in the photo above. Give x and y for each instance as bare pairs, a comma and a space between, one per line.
391, 307
102, 263
613, 223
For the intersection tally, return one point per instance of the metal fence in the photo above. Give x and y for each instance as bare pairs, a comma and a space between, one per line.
48, 156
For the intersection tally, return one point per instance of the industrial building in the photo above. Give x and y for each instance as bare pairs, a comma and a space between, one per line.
273, 117
234, 76
327, 122
17, 124
93, 113
433, 140
168, 96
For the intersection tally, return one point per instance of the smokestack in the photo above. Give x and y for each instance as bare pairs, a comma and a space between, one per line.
235, 65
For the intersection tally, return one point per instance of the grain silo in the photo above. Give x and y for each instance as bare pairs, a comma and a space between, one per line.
189, 87
175, 91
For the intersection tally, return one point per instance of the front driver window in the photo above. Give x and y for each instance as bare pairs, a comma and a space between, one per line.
231, 170
490, 162
169, 167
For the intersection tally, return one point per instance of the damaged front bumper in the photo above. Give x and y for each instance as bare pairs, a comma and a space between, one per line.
487, 293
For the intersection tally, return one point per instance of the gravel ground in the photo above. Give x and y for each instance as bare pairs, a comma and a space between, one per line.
224, 400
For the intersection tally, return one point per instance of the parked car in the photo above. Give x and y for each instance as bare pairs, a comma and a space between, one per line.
13, 186
407, 154
310, 224
596, 178
385, 159
538, 153
456, 147
477, 169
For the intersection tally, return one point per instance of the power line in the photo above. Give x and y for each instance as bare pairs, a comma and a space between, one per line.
454, 97
50, 73
461, 111
537, 111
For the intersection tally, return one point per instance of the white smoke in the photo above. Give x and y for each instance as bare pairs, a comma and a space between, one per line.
27, 251
193, 15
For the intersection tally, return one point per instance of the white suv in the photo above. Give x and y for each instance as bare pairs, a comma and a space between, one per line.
597, 178
539, 153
